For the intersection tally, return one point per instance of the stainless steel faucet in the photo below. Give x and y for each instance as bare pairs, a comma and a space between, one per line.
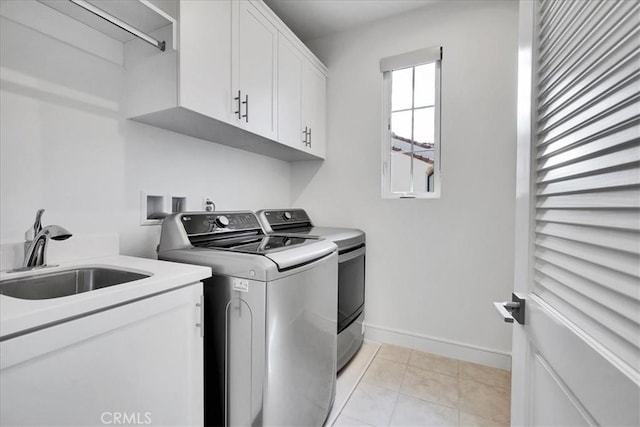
37, 238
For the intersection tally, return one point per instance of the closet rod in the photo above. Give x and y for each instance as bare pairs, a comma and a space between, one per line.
119, 23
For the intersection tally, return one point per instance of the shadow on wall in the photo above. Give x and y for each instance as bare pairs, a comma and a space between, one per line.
304, 173
51, 94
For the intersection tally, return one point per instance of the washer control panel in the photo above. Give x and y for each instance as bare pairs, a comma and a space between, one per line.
286, 216
218, 222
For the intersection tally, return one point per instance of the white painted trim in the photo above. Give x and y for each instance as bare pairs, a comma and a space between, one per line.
411, 59
521, 361
442, 347
385, 164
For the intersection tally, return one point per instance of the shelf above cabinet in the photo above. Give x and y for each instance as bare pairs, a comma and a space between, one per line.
120, 20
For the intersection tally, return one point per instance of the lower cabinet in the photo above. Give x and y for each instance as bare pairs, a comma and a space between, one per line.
138, 363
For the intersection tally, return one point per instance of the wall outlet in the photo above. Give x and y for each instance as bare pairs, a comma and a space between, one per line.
208, 205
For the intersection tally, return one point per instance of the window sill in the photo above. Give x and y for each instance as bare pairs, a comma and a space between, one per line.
410, 196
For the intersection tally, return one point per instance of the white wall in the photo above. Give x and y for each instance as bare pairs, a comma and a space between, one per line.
433, 266
65, 146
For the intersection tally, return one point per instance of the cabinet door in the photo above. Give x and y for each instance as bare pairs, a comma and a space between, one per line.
314, 85
290, 125
255, 48
205, 58
142, 360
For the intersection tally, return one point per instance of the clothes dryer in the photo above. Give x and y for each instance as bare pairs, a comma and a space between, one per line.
351, 244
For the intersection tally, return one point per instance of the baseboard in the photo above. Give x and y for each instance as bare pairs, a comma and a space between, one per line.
455, 350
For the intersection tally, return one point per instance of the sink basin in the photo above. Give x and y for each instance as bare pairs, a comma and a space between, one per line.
67, 282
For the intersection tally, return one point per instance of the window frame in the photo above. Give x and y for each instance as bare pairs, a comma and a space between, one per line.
387, 66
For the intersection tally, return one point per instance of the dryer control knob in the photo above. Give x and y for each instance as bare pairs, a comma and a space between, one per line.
222, 221
286, 216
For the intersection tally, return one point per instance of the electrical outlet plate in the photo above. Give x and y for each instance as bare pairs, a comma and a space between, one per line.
208, 202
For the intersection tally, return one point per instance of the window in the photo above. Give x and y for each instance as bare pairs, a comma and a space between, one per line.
411, 125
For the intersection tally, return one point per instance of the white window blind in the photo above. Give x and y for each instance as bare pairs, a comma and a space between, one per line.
411, 59
587, 245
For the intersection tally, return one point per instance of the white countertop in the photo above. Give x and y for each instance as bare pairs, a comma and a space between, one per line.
18, 315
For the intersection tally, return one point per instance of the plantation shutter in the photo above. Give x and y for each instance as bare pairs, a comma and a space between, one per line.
587, 225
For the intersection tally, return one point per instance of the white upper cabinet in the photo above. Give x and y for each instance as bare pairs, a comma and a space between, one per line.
314, 89
301, 100
255, 47
205, 55
290, 94
228, 82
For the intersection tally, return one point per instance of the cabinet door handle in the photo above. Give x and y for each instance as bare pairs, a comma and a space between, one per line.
309, 137
201, 324
304, 132
246, 108
237, 98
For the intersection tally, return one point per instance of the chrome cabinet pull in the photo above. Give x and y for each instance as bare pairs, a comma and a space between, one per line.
246, 108
237, 98
307, 136
201, 324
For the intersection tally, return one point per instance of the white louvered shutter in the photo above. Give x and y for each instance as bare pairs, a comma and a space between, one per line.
587, 242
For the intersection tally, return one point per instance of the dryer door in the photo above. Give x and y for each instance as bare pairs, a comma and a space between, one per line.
350, 286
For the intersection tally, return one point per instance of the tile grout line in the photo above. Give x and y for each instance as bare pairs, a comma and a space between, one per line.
459, 390
395, 404
407, 364
357, 382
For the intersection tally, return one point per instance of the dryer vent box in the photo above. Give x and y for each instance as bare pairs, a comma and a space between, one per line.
152, 208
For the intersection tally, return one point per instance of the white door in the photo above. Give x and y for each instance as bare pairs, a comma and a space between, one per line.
576, 358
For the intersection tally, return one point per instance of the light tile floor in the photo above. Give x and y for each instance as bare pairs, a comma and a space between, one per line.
404, 387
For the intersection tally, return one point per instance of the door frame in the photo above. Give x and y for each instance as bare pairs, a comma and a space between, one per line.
520, 367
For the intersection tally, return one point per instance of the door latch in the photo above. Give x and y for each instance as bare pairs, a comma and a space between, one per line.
510, 310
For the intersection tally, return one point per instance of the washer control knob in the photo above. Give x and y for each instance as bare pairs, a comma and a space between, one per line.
286, 216
222, 221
